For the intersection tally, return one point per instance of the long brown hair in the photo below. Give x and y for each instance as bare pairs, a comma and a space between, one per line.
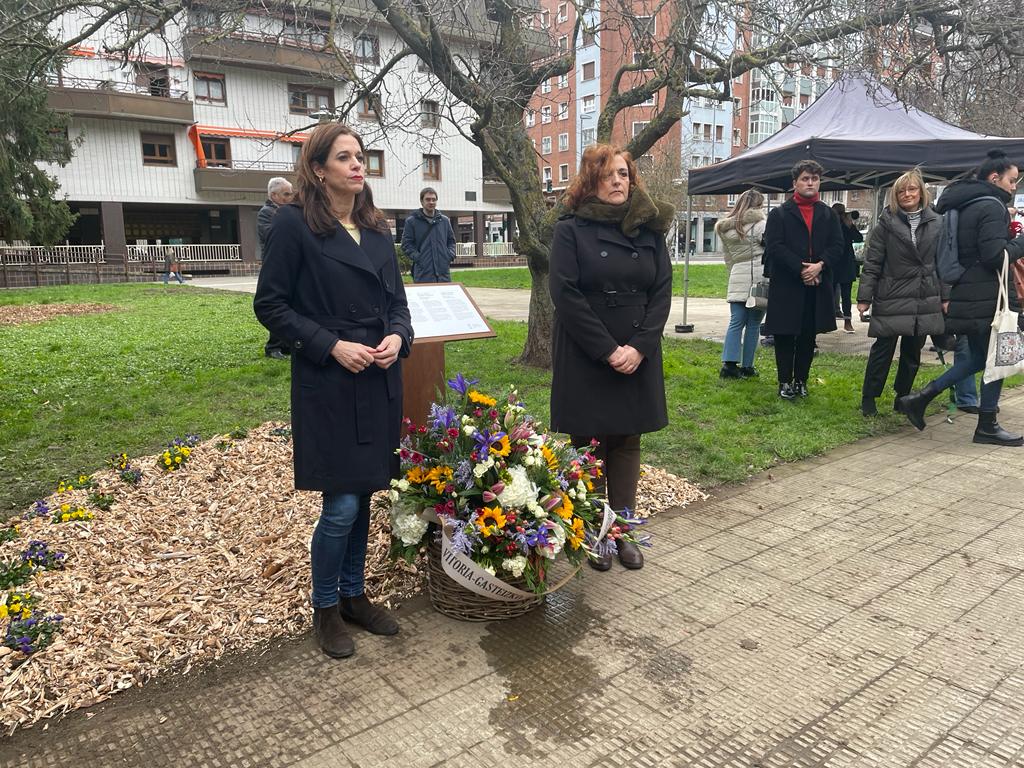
595, 161
749, 200
311, 195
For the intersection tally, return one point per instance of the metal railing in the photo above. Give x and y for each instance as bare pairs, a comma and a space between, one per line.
185, 253
491, 250
272, 166
117, 86
26, 255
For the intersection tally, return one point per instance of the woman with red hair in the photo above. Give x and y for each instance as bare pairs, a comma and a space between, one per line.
611, 284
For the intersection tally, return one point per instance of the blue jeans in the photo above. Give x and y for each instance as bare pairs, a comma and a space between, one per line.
741, 319
338, 553
966, 365
967, 388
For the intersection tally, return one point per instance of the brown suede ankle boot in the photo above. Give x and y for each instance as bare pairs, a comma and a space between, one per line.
331, 633
373, 618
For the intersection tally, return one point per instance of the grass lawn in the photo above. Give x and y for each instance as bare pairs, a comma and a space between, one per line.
75, 390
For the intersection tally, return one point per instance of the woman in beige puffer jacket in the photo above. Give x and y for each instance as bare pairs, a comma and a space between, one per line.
741, 236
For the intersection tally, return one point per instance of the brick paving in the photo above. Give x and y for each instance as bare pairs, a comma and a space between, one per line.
862, 608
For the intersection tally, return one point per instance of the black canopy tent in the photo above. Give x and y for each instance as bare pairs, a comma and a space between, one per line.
864, 137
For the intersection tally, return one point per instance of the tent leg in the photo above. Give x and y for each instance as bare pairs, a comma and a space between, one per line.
686, 327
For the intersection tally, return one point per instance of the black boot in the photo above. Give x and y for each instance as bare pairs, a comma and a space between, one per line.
630, 555
867, 406
913, 405
331, 633
374, 619
990, 433
730, 370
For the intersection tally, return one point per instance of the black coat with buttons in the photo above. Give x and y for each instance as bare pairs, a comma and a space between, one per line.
313, 291
608, 290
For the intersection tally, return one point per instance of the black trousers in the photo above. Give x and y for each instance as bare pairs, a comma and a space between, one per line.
880, 360
275, 343
844, 303
793, 354
621, 457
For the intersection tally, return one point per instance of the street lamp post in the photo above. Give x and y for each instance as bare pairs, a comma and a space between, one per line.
685, 327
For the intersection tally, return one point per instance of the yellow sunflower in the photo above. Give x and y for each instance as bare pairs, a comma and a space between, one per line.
550, 458
481, 399
575, 537
439, 476
502, 448
564, 509
416, 475
491, 521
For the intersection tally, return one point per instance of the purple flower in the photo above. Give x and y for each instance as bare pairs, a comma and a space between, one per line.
461, 541
461, 384
464, 474
442, 417
484, 440
538, 538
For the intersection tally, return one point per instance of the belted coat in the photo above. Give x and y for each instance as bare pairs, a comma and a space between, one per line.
608, 290
314, 290
787, 244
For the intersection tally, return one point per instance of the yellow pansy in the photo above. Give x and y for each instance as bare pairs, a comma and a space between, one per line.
65, 517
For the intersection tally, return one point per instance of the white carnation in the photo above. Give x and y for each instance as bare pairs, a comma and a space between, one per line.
519, 490
469, 429
515, 565
407, 524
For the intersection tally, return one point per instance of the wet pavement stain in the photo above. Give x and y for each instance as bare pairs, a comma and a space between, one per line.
547, 684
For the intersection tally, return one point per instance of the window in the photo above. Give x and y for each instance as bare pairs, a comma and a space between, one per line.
296, 152
545, 115
588, 136
531, 118
545, 145
638, 128
374, 162
306, 35
650, 101
210, 88
563, 81
369, 108
719, 132
696, 130
563, 142
432, 167
563, 44
563, 12
730, 200
158, 149
547, 177
644, 27
588, 36
156, 81
563, 110
707, 131
736, 137
545, 86
589, 104
545, 19
588, 70
366, 49
307, 100
695, 161
430, 114
217, 151
563, 172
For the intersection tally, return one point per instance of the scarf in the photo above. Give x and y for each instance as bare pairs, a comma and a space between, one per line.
806, 207
639, 210
914, 220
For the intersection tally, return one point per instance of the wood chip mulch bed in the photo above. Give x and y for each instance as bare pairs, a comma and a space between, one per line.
188, 565
24, 314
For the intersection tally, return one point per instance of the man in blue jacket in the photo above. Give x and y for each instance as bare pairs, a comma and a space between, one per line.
429, 241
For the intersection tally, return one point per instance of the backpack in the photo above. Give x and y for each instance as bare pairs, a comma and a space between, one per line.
947, 254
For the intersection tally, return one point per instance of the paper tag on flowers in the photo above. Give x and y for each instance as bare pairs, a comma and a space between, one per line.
468, 574
607, 522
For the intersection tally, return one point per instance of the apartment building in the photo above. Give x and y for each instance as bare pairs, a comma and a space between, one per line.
177, 145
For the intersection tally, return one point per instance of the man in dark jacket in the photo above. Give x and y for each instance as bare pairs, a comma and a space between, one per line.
983, 233
429, 241
279, 192
803, 246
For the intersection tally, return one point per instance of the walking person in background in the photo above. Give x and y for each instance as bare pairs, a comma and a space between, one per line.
848, 271
803, 244
172, 265
331, 285
983, 233
279, 192
429, 241
742, 236
611, 285
901, 288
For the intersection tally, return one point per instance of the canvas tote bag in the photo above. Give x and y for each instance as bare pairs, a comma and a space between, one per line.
1006, 344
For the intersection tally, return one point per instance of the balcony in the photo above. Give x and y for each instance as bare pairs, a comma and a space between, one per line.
240, 175
120, 100
279, 53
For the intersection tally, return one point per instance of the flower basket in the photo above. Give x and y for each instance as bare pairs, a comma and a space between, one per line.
452, 599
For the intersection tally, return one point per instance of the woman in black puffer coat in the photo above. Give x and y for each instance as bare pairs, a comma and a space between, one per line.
900, 286
983, 234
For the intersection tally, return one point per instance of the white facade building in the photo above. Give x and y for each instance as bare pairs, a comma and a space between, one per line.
178, 146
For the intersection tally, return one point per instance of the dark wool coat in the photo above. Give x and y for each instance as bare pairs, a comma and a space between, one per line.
848, 269
899, 279
608, 291
786, 246
984, 233
263, 219
313, 291
430, 245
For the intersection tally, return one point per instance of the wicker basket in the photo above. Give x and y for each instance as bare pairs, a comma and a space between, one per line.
453, 600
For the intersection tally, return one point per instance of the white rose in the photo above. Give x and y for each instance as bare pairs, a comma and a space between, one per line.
469, 429
403, 484
394, 495
515, 565
481, 469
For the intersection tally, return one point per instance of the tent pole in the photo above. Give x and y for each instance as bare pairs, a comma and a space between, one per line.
686, 327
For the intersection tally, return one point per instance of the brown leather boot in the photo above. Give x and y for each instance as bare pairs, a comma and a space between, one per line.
332, 634
600, 562
374, 619
630, 555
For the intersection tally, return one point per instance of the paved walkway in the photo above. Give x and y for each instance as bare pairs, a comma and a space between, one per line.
864, 608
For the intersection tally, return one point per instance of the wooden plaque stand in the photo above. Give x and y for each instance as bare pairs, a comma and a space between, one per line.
422, 378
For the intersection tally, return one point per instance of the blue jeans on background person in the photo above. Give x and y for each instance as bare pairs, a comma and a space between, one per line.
966, 389
966, 365
744, 323
338, 552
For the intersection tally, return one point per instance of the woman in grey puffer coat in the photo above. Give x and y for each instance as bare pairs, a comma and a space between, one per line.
741, 235
901, 287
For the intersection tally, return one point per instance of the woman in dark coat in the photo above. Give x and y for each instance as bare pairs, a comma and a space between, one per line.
803, 243
611, 284
901, 287
983, 230
330, 286
848, 270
